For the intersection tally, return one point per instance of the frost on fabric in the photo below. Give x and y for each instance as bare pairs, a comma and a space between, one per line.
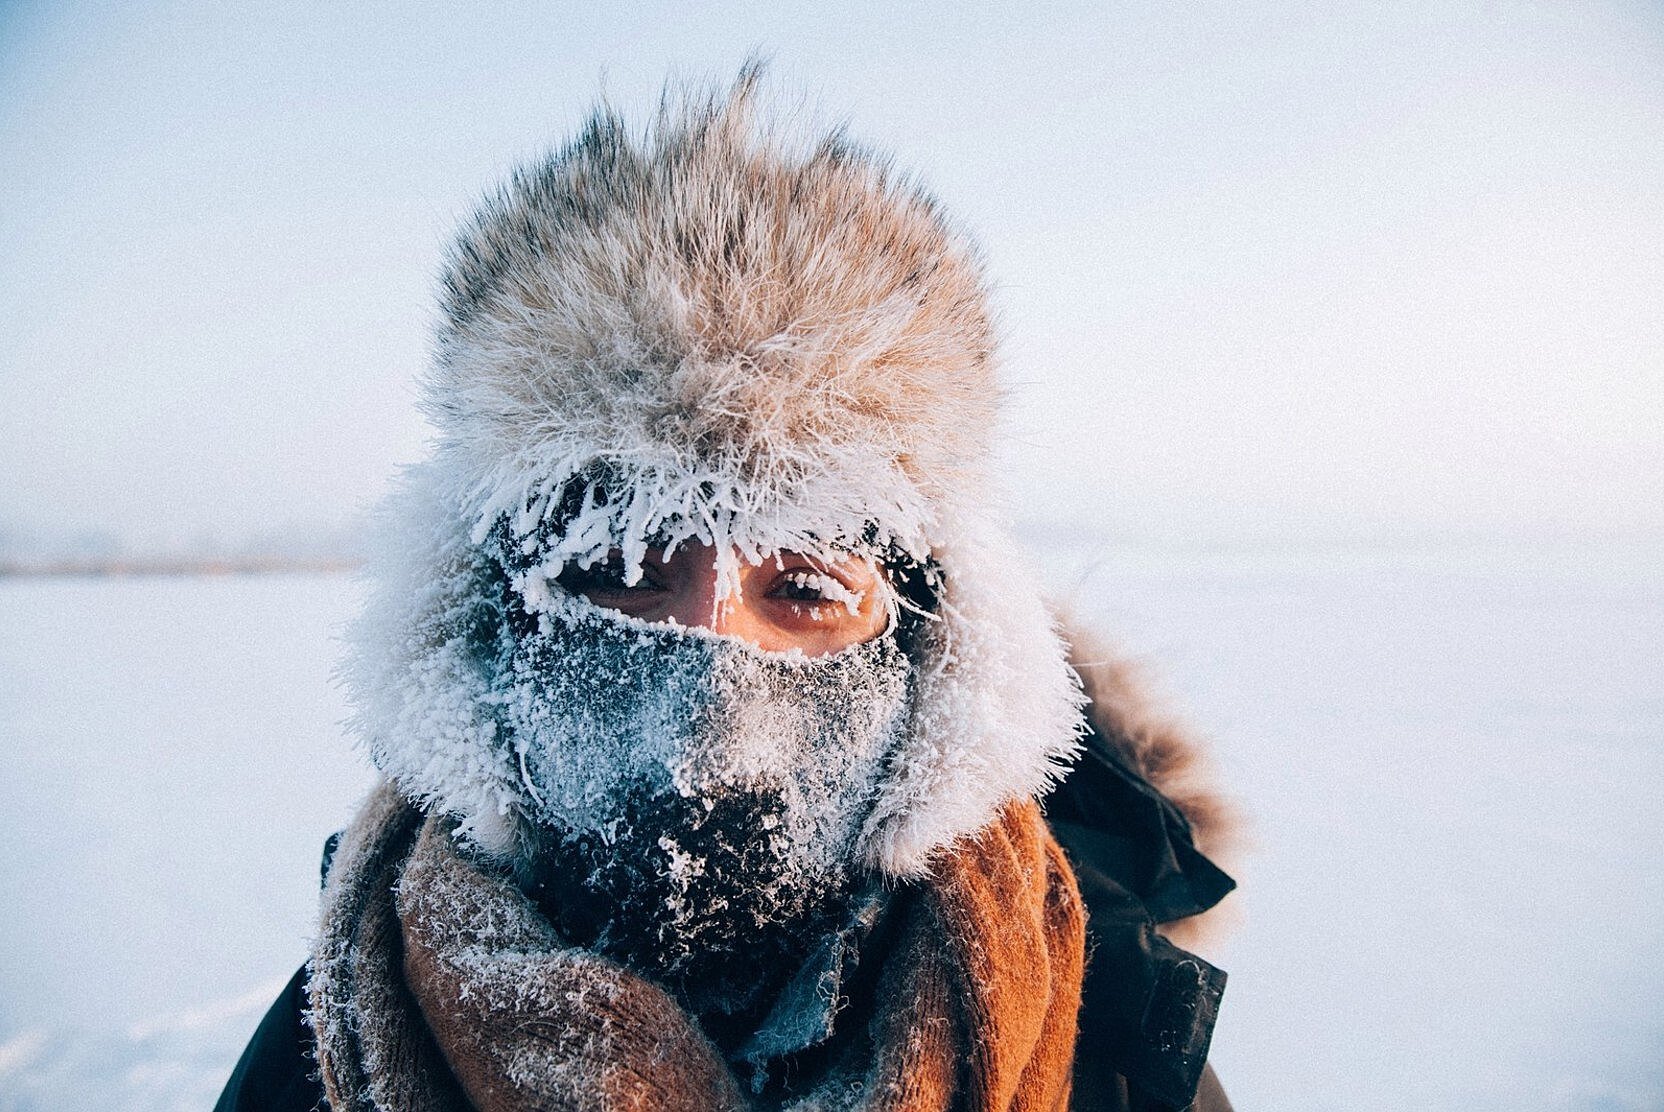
596, 703
704, 798
500, 972
703, 792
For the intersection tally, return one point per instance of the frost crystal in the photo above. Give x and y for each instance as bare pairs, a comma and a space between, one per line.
702, 798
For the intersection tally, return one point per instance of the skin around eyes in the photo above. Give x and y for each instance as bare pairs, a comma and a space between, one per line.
789, 601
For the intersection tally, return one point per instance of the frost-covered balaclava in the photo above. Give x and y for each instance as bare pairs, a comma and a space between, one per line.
699, 799
725, 331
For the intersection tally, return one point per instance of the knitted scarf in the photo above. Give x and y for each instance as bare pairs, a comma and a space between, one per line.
437, 986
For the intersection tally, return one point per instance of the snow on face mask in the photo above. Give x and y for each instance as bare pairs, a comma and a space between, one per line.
702, 798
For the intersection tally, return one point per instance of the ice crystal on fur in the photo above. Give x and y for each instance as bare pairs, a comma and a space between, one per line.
718, 331
726, 332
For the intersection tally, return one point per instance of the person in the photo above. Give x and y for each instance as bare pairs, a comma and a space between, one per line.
730, 756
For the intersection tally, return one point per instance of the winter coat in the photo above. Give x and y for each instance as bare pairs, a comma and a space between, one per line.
1134, 823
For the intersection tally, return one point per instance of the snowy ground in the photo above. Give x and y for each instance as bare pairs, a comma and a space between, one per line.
1456, 899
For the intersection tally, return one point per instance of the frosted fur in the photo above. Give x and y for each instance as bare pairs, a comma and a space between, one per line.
996, 710
757, 339
715, 332
420, 674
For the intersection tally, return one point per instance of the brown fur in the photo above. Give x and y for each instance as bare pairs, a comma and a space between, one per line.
722, 300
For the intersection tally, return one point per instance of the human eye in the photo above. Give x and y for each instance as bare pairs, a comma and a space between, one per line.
816, 589
608, 577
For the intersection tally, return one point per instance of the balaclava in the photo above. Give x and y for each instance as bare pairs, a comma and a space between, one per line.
694, 801
755, 337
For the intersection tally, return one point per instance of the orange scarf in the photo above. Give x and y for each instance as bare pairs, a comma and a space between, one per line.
438, 987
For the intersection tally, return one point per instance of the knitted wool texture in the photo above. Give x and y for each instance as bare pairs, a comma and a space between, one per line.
438, 987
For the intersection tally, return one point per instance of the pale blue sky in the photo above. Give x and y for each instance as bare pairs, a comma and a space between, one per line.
1355, 268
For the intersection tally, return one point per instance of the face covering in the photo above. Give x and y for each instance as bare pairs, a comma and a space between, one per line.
697, 800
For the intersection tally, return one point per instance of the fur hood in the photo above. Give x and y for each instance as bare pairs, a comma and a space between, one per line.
718, 330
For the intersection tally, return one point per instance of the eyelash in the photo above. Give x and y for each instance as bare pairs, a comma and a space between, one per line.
830, 590
605, 577
824, 586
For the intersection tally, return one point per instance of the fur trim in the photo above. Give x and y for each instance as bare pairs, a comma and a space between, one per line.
717, 332
1154, 741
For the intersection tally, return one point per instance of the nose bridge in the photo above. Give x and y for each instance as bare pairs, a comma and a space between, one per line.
699, 605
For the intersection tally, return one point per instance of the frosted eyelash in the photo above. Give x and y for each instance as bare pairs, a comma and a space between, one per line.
830, 588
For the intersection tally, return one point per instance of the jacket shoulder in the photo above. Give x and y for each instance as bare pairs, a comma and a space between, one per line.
1132, 814
1142, 796
277, 1072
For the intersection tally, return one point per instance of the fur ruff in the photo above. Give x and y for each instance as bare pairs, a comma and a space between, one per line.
975, 1006
719, 332
1158, 745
